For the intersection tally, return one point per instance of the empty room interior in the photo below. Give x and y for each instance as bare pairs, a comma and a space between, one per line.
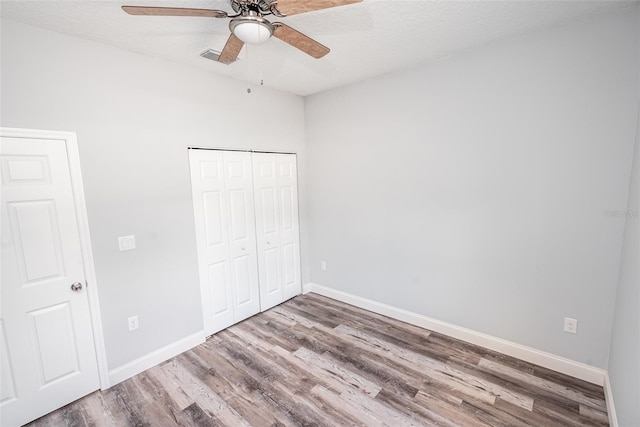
338, 212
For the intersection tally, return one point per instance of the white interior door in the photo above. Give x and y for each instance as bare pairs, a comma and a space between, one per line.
223, 207
277, 227
48, 356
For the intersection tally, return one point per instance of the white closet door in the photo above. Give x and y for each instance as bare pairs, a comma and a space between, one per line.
224, 216
277, 228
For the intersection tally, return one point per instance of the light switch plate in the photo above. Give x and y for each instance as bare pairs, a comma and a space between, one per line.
126, 243
133, 323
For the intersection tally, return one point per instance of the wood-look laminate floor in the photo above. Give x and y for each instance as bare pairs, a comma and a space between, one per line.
316, 361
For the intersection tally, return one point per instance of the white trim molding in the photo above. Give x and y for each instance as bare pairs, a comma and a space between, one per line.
528, 354
608, 397
141, 364
87, 258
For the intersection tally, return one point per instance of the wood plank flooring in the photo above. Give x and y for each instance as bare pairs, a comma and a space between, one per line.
313, 361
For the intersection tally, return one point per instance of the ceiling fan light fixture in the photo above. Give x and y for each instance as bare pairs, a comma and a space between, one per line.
251, 29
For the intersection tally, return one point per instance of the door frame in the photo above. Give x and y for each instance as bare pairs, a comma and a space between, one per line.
73, 157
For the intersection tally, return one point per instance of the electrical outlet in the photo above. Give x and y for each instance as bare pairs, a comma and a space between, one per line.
570, 325
133, 323
323, 265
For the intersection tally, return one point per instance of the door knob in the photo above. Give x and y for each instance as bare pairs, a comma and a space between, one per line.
76, 287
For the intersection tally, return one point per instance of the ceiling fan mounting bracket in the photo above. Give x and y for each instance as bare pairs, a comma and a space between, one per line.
273, 6
260, 7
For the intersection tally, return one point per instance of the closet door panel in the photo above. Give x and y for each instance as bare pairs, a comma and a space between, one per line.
241, 269
218, 285
287, 209
265, 186
289, 225
289, 265
238, 214
222, 186
219, 296
213, 202
268, 212
242, 239
275, 184
210, 211
271, 276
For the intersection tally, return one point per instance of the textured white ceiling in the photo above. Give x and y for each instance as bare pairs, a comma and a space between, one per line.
366, 39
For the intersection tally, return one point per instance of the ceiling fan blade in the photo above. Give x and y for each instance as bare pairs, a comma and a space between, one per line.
174, 11
299, 41
295, 7
231, 50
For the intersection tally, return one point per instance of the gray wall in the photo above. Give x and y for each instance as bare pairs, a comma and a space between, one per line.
134, 117
624, 359
474, 189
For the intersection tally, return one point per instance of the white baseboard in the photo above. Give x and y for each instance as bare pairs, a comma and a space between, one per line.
154, 358
528, 354
608, 396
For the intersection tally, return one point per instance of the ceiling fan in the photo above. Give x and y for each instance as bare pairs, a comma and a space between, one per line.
248, 24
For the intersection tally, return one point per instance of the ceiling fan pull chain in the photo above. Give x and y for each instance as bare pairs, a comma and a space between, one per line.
260, 65
248, 70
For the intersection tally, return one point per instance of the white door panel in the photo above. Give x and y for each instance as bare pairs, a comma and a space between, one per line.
218, 297
268, 213
287, 209
238, 205
213, 202
210, 210
225, 236
8, 388
289, 224
289, 261
275, 187
55, 342
267, 229
243, 280
48, 354
242, 251
271, 276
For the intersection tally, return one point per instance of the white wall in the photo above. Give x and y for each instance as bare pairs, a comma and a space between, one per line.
134, 117
624, 359
473, 190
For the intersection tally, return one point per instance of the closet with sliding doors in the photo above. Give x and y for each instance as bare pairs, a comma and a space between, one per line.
247, 232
